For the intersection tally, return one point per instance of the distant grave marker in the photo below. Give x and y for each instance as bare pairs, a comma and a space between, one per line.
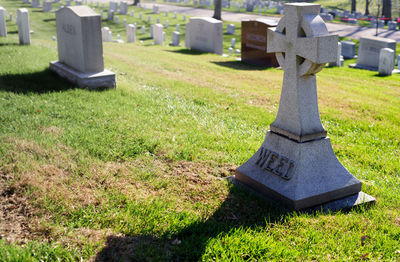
23, 27
3, 27
204, 34
254, 43
369, 49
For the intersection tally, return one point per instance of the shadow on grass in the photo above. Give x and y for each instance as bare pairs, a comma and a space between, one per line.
49, 20
239, 65
8, 44
186, 52
38, 82
241, 209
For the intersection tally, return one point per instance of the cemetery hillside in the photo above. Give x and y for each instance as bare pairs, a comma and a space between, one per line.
129, 155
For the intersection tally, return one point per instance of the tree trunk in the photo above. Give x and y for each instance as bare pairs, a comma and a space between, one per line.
353, 6
217, 9
387, 9
366, 7
136, 2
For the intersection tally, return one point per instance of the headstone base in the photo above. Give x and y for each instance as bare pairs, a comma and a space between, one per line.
105, 78
358, 66
343, 204
395, 71
301, 175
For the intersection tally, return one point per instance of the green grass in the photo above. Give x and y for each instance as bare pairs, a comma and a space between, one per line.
137, 172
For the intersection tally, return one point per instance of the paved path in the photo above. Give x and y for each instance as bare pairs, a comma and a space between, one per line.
340, 29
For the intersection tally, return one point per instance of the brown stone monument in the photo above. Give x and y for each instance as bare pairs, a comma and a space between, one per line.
254, 43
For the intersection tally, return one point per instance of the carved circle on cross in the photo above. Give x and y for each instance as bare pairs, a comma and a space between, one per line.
311, 25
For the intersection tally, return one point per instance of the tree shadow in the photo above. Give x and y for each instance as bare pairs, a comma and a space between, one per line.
8, 44
49, 20
241, 209
187, 52
44, 81
239, 65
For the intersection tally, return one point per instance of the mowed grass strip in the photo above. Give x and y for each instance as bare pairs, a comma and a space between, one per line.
138, 172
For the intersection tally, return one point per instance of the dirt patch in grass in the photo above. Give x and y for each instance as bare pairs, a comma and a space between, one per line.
52, 130
16, 213
36, 175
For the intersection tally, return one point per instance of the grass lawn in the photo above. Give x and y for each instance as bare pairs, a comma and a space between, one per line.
137, 173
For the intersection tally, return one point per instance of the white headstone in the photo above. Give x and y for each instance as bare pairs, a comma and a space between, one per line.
184, 18
3, 27
79, 39
204, 34
105, 34
369, 49
78, 2
116, 19
339, 59
113, 6
110, 15
398, 62
11, 16
176, 37
143, 29
124, 22
148, 19
131, 33
158, 20
166, 24
140, 15
230, 29
386, 61
35, 3
348, 49
296, 163
151, 31
155, 9
80, 48
47, 6
233, 42
123, 8
158, 34
132, 13
178, 27
23, 27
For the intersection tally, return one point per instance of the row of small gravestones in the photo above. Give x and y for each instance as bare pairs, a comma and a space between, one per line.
374, 53
22, 21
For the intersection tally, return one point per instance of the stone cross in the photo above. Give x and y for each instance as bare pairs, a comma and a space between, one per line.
303, 46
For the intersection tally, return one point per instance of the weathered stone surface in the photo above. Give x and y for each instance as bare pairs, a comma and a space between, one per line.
230, 29
176, 37
35, 3
204, 34
306, 54
79, 38
80, 48
339, 59
296, 164
94, 80
158, 34
106, 34
23, 27
348, 49
131, 33
254, 43
3, 27
386, 62
47, 6
123, 8
368, 51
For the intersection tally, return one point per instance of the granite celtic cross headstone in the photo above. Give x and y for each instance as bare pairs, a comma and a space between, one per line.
296, 164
